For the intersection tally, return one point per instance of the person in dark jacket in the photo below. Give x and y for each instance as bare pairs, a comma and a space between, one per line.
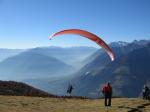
146, 92
69, 90
107, 92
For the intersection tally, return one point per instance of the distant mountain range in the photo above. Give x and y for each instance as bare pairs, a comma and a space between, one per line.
72, 55
5, 53
89, 68
45, 62
128, 73
31, 65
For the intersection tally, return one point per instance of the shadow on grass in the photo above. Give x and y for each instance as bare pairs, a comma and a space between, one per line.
136, 109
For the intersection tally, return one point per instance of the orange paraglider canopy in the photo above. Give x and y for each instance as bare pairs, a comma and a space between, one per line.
88, 35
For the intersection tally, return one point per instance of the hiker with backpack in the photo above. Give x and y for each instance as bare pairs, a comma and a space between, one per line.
107, 92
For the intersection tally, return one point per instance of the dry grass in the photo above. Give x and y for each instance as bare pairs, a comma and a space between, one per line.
38, 104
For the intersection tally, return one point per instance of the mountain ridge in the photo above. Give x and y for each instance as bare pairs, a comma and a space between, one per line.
101, 73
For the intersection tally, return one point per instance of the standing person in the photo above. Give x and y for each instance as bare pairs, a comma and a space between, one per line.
69, 90
107, 92
146, 92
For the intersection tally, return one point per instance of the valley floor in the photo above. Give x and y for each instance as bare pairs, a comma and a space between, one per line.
38, 104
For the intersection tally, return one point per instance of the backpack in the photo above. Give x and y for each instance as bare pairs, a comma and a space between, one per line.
106, 89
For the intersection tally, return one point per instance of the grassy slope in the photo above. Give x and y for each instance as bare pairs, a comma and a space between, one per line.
38, 104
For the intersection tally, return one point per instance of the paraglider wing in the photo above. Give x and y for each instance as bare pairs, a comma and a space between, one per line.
88, 35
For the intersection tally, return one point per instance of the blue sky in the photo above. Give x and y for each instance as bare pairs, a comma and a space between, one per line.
28, 23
